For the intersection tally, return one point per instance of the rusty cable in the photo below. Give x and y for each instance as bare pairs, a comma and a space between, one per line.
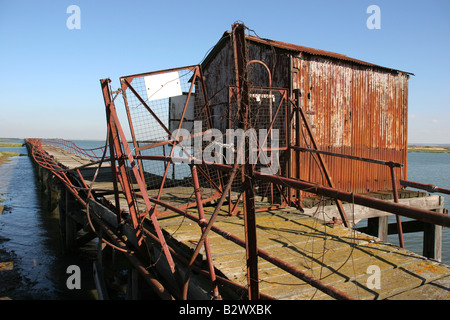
89, 195
44, 162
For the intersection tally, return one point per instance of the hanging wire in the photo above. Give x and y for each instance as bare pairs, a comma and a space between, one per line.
89, 195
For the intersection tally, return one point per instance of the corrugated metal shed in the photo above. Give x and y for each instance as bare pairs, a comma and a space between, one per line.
354, 107
290, 47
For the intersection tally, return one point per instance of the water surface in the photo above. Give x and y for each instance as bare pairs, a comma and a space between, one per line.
29, 235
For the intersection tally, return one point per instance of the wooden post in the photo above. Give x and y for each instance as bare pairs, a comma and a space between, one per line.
99, 281
99, 277
432, 237
378, 227
133, 285
62, 215
70, 225
432, 241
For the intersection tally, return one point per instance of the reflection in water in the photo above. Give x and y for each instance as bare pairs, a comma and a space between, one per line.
29, 236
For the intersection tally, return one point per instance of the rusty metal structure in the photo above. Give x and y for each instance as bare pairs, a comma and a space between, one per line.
352, 107
342, 131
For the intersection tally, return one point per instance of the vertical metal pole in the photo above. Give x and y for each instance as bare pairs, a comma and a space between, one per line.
201, 215
230, 200
119, 136
114, 172
99, 278
297, 143
133, 135
116, 150
397, 217
240, 56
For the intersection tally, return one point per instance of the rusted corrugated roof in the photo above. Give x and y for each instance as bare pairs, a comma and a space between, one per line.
295, 48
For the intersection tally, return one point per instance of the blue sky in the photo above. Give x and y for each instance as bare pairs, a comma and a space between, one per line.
50, 74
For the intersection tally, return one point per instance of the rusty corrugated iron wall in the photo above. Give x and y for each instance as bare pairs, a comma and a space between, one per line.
355, 110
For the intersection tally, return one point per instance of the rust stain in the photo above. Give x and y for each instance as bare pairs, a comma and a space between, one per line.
357, 111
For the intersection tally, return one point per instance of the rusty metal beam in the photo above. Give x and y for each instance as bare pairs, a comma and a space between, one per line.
138, 265
235, 286
350, 197
397, 217
333, 292
114, 120
427, 187
234, 171
201, 216
382, 205
243, 103
117, 154
387, 206
346, 156
321, 160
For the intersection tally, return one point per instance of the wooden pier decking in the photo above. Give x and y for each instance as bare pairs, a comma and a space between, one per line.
339, 256
359, 265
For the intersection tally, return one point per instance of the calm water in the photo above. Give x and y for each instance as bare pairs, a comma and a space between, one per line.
428, 168
31, 234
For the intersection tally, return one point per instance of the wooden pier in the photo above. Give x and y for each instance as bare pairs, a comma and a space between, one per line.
360, 265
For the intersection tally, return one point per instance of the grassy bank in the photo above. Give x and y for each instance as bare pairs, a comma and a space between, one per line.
4, 155
10, 145
429, 149
1, 205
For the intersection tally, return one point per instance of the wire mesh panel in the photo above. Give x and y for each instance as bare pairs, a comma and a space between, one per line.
160, 106
267, 135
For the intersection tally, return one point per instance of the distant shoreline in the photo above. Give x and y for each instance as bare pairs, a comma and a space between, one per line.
411, 148
10, 145
428, 149
4, 155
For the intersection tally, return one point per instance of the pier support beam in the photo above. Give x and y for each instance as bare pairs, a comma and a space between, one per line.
98, 270
70, 225
67, 226
432, 241
378, 227
432, 237
133, 285
62, 217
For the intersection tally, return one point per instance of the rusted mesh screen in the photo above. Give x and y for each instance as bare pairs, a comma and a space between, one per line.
156, 107
267, 132
158, 102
